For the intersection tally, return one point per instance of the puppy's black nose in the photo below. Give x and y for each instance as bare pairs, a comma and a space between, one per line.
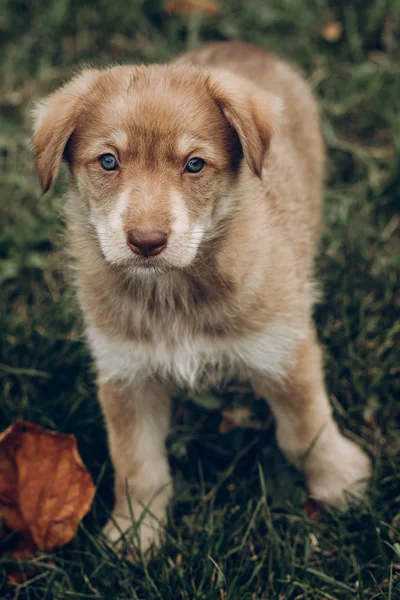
146, 242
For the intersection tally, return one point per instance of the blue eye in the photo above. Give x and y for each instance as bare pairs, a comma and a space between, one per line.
195, 165
108, 162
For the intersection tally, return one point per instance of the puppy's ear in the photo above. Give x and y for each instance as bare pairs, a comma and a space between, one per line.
252, 111
55, 119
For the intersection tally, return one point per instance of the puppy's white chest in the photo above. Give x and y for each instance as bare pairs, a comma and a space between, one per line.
195, 362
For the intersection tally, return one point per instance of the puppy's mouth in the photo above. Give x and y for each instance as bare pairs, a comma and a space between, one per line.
147, 262
149, 265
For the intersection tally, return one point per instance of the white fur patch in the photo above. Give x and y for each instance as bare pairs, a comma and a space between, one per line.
184, 235
196, 363
180, 216
121, 206
110, 231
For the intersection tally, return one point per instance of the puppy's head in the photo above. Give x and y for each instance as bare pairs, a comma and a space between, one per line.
154, 153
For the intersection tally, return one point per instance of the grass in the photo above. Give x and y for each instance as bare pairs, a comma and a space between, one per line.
237, 528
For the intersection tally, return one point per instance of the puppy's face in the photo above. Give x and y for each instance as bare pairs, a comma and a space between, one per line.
154, 152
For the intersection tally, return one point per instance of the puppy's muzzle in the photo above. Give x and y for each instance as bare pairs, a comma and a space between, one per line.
147, 242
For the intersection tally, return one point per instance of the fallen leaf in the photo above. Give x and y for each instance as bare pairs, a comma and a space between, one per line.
311, 509
208, 8
45, 489
19, 577
9, 505
332, 31
234, 418
24, 550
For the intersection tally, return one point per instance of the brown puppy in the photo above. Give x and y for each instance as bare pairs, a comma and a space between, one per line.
193, 215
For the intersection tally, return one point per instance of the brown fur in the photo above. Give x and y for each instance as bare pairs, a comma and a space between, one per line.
232, 292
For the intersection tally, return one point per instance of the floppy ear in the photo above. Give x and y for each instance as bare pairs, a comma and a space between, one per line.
54, 122
252, 111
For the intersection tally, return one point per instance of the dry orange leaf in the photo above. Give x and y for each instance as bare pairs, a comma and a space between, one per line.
234, 418
23, 551
332, 31
45, 489
209, 8
311, 509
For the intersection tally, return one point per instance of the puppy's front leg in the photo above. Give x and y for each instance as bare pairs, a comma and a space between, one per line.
137, 424
306, 432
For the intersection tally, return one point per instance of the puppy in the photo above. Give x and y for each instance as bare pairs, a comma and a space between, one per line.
193, 215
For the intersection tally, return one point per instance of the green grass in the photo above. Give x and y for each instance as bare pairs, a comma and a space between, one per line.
237, 528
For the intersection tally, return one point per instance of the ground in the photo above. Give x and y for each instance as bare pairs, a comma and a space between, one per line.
238, 529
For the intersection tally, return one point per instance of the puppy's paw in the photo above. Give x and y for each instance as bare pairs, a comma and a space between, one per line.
125, 534
338, 473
